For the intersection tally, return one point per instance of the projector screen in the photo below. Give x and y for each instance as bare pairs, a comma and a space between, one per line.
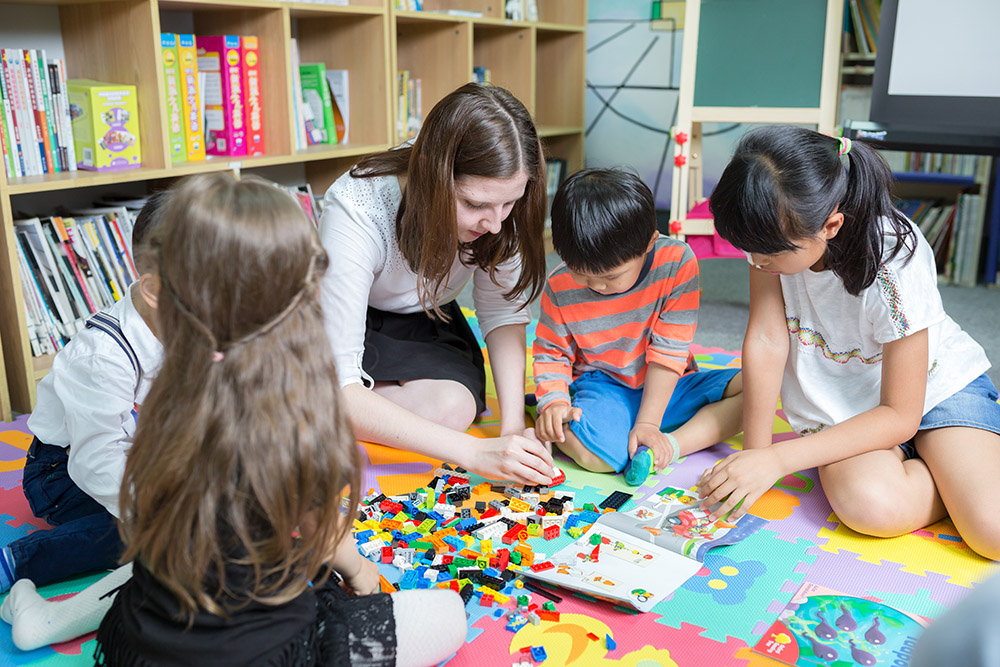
938, 65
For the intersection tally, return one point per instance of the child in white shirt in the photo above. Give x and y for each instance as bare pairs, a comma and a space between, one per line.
83, 423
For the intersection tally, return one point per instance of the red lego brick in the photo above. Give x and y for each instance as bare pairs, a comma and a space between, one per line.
547, 615
551, 532
541, 567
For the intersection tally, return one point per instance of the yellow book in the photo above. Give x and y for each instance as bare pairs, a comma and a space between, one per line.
194, 132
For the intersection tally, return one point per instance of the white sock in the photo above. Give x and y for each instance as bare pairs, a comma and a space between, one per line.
38, 622
416, 646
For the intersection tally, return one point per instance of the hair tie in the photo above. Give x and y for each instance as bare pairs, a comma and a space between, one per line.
217, 356
845, 146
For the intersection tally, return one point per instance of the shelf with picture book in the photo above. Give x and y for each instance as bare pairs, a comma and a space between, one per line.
945, 194
362, 44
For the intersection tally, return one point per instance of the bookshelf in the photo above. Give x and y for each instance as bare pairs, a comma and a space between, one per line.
542, 62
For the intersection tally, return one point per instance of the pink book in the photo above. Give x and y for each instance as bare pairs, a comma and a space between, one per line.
220, 58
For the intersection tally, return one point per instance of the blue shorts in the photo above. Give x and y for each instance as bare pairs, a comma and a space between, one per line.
610, 409
975, 406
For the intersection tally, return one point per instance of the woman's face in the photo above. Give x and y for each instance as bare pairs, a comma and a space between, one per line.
482, 204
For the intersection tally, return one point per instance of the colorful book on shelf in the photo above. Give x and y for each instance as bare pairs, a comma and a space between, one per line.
341, 101
40, 256
105, 124
172, 89
821, 626
57, 75
640, 556
316, 96
194, 127
220, 58
253, 104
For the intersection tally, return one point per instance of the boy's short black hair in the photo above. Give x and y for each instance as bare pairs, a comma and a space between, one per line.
143, 231
602, 218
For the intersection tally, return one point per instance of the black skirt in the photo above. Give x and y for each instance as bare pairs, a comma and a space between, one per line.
415, 346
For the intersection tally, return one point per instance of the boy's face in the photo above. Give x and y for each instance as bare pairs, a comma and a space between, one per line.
615, 280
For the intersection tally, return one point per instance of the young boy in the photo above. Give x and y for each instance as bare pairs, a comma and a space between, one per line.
83, 423
611, 347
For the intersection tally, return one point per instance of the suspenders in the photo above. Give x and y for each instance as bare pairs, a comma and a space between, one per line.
111, 326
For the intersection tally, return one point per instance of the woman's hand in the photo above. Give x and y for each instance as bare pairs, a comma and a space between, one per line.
516, 458
739, 480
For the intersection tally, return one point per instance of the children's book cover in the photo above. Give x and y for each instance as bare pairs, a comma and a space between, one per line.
254, 110
220, 58
821, 626
191, 99
640, 556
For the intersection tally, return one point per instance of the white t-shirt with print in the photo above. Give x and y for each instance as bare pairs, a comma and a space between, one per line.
367, 268
834, 366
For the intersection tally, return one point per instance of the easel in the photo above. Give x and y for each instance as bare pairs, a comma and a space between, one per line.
687, 184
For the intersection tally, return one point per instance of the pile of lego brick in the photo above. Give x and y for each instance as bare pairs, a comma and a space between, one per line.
443, 535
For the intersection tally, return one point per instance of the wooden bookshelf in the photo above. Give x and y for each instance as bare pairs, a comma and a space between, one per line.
541, 62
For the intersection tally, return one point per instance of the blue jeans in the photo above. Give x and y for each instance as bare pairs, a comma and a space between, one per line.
85, 535
610, 409
974, 406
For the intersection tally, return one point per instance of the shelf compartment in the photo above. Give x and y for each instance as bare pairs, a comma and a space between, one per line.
360, 44
439, 53
559, 78
508, 52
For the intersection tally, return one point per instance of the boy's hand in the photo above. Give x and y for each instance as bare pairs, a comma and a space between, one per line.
364, 579
549, 424
650, 436
743, 476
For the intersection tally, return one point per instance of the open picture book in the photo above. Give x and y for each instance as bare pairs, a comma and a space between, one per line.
821, 626
640, 556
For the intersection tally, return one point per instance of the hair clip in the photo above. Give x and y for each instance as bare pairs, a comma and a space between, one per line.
217, 357
845, 146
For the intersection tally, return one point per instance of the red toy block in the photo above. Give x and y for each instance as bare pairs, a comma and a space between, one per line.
547, 615
592, 636
488, 513
504, 556
386, 554
514, 534
453, 585
541, 567
595, 553
551, 532
447, 560
486, 600
558, 478
390, 507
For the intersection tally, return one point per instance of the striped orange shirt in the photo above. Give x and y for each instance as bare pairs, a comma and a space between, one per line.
618, 334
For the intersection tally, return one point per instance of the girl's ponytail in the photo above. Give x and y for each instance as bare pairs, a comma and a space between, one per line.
856, 253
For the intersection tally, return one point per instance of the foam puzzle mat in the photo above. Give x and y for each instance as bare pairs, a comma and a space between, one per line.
712, 620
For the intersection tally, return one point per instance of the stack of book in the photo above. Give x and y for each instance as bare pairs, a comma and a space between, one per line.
321, 101
410, 98
954, 229
861, 23
213, 92
36, 136
72, 267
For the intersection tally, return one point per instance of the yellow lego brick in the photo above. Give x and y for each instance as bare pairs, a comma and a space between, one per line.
486, 546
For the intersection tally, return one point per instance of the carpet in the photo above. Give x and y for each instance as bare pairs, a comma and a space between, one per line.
710, 621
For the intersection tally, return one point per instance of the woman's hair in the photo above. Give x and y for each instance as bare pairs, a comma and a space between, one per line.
785, 181
602, 218
474, 131
242, 438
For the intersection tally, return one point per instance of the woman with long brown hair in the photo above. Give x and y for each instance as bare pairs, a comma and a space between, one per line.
406, 229
231, 501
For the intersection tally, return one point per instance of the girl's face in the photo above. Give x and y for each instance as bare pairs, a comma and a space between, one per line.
482, 204
809, 255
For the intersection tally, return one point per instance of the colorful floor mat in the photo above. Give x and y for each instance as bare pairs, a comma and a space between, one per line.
711, 621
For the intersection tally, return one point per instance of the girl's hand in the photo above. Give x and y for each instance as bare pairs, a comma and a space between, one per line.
512, 457
743, 476
549, 424
650, 436
364, 580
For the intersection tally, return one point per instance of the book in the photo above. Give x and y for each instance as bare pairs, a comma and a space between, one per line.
194, 127
105, 124
220, 58
253, 105
40, 256
340, 98
638, 557
172, 88
297, 104
821, 626
316, 96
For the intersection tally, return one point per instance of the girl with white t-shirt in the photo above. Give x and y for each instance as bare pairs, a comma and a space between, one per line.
405, 230
889, 393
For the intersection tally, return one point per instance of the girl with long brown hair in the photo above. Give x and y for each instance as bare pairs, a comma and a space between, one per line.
231, 502
406, 229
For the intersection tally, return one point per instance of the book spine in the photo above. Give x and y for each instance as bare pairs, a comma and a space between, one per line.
67, 251
9, 145
67, 119
22, 114
191, 103
49, 332
104, 262
254, 116
125, 252
9, 109
38, 110
172, 88
78, 304
43, 82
